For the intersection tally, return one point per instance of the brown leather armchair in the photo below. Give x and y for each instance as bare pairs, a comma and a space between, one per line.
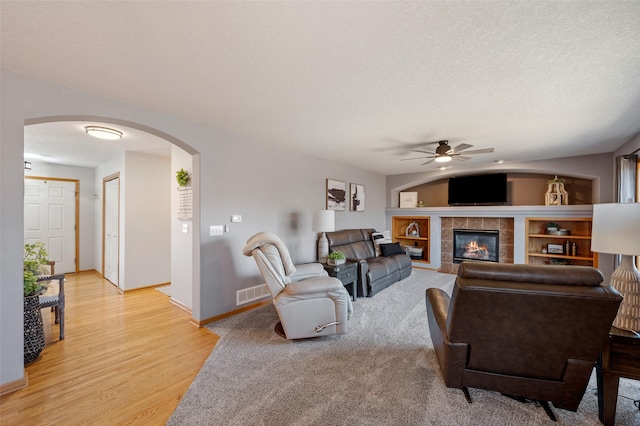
527, 331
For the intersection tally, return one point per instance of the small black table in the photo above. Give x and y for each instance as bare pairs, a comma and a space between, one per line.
347, 273
619, 358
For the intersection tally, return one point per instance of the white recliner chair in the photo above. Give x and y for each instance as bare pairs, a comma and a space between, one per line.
309, 302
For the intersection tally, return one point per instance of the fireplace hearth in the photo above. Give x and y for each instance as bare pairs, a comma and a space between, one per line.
476, 244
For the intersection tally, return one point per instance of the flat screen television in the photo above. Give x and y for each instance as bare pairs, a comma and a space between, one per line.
478, 190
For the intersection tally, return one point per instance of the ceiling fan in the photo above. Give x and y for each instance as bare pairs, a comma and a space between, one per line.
444, 152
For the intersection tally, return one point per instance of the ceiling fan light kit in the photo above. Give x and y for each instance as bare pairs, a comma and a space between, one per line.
103, 132
443, 158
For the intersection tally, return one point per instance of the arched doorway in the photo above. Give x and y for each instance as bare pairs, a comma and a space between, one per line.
63, 129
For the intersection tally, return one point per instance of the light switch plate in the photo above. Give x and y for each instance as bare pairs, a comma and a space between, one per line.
185, 228
216, 230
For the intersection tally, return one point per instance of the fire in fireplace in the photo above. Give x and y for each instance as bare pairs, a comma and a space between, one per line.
475, 244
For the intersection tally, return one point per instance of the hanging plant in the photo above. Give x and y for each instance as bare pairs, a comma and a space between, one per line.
183, 178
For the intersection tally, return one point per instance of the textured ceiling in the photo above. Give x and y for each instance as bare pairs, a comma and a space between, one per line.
355, 82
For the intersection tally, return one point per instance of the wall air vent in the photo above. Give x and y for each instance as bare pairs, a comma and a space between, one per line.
250, 294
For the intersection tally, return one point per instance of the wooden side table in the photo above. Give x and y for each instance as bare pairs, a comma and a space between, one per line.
347, 273
619, 358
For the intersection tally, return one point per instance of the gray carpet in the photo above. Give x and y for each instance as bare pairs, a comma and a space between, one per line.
383, 372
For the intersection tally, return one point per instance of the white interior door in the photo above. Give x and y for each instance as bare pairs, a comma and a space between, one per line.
111, 229
50, 217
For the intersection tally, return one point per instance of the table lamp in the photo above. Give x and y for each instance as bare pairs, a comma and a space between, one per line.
616, 230
323, 221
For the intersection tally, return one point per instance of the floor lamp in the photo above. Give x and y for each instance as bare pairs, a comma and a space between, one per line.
323, 221
616, 230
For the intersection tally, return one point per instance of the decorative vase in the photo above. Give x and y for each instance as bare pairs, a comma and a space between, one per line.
33, 329
336, 262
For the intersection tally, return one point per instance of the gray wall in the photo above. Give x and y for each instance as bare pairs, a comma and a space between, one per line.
146, 248
273, 189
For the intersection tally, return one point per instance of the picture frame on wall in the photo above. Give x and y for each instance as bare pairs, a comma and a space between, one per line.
336, 195
356, 202
408, 200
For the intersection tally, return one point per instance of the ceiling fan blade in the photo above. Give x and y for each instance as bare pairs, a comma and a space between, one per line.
413, 158
479, 151
461, 146
423, 152
461, 157
428, 162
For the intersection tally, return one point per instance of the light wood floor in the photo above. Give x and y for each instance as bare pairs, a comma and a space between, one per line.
126, 359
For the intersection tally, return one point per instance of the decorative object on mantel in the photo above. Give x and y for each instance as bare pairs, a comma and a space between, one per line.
408, 200
556, 195
183, 178
413, 230
336, 258
615, 231
421, 204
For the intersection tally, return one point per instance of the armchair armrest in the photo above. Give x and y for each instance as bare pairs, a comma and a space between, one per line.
308, 270
452, 357
319, 285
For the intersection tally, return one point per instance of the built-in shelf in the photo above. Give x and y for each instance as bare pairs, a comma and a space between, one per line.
521, 239
399, 225
579, 236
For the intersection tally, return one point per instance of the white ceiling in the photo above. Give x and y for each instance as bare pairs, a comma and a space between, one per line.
68, 143
354, 82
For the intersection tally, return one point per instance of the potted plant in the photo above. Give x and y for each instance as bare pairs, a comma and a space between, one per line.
183, 178
336, 258
35, 256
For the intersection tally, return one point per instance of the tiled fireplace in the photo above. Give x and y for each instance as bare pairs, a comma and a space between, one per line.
504, 239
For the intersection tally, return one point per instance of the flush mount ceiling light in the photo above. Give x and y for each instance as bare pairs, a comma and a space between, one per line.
103, 132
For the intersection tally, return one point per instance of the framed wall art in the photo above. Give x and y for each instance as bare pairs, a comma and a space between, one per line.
356, 202
336, 195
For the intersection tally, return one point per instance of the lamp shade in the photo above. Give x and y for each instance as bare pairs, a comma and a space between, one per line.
616, 229
324, 221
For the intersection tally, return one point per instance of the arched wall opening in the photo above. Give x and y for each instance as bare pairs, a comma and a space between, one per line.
523, 189
595, 171
182, 155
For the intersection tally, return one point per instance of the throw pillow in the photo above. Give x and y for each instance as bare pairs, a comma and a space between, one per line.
391, 249
380, 238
